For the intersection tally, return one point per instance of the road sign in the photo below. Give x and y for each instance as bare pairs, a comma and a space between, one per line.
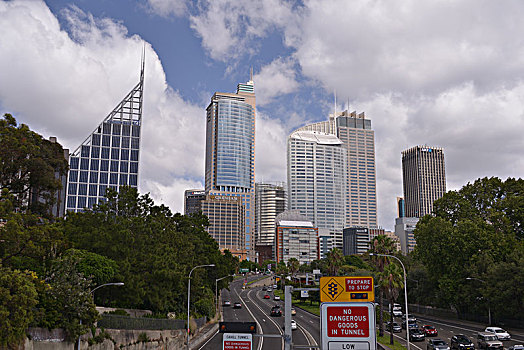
348, 326
237, 327
243, 270
353, 289
304, 294
237, 341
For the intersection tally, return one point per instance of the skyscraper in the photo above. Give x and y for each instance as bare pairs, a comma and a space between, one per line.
317, 181
230, 152
270, 200
424, 179
355, 132
193, 201
109, 155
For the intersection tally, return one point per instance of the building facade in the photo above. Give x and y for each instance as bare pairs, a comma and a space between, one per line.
109, 156
317, 181
424, 179
356, 240
230, 154
270, 200
296, 237
404, 228
193, 201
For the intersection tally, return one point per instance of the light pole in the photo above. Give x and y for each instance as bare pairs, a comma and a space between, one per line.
189, 296
216, 289
405, 292
489, 306
92, 291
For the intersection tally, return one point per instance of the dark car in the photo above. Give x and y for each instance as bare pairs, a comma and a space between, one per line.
413, 326
437, 344
461, 342
237, 305
264, 288
429, 331
416, 334
276, 311
396, 327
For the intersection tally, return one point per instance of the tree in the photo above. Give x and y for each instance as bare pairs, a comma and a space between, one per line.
335, 259
18, 297
30, 167
391, 282
293, 265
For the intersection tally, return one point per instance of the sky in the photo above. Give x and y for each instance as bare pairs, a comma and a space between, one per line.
441, 73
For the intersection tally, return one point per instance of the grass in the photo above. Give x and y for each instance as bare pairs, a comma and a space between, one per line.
314, 309
384, 340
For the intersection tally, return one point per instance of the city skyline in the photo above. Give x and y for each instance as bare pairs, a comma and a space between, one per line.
431, 74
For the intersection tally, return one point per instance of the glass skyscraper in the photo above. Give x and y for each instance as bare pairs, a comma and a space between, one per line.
108, 158
230, 160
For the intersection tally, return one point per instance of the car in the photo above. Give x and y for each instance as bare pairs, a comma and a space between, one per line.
275, 286
397, 313
416, 335
269, 290
276, 297
412, 326
293, 325
461, 342
488, 341
429, 331
411, 320
264, 288
499, 332
266, 296
516, 347
437, 344
276, 311
237, 305
396, 327
293, 311
227, 303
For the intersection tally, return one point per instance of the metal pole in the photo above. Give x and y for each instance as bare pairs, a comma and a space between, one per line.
288, 335
189, 296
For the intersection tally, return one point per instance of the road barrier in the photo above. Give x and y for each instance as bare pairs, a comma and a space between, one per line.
144, 323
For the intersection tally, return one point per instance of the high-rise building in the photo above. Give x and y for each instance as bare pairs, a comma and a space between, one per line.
355, 132
424, 179
356, 240
109, 155
317, 181
296, 237
230, 154
270, 200
193, 201
404, 229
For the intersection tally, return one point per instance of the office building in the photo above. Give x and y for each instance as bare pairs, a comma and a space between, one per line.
356, 135
404, 228
317, 181
193, 201
109, 156
270, 200
230, 154
356, 240
296, 237
424, 179
401, 209
395, 239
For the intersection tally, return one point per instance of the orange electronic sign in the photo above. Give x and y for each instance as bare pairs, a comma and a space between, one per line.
346, 289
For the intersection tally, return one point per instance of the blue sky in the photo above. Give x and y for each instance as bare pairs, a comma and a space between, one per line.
445, 74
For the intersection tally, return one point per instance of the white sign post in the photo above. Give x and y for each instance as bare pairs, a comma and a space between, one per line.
237, 341
348, 326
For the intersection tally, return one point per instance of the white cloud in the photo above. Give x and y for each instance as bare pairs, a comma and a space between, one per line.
270, 161
168, 7
64, 86
275, 79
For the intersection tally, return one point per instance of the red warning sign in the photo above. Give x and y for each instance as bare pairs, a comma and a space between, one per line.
359, 284
348, 321
237, 345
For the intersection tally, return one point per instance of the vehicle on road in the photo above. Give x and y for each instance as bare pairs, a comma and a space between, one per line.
269, 290
437, 344
397, 310
416, 335
396, 327
227, 303
237, 305
411, 320
264, 288
277, 297
266, 296
498, 332
276, 311
293, 311
429, 330
488, 341
293, 325
275, 286
461, 342
516, 347
397, 313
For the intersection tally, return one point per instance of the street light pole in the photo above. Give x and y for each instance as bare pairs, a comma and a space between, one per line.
92, 292
216, 290
405, 292
489, 306
189, 296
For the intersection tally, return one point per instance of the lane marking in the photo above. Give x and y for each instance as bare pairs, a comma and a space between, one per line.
261, 341
203, 346
282, 340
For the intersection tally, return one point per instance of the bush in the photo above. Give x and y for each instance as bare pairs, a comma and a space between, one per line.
120, 312
205, 307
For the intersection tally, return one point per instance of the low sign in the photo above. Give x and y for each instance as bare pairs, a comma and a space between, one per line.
237, 341
337, 289
348, 326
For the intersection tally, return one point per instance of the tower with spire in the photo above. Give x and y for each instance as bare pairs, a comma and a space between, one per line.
109, 156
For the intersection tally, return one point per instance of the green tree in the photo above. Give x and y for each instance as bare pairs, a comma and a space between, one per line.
335, 260
28, 167
293, 265
18, 297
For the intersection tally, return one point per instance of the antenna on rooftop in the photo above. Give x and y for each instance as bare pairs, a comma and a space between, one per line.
335, 93
143, 63
251, 74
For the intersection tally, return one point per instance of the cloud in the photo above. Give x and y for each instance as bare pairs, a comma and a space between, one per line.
64, 85
275, 79
270, 161
168, 7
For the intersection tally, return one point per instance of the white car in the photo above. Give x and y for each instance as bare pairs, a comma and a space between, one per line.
293, 325
277, 297
397, 313
499, 332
